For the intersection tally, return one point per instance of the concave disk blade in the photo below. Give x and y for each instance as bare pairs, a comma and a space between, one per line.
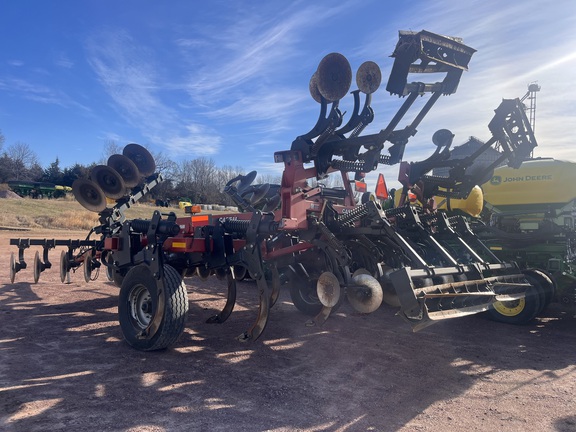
313, 87
126, 168
141, 157
246, 181
37, 267
368, 77
89, 195
328, 289
109, 180
334, 77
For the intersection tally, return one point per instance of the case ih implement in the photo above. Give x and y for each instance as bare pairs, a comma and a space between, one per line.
301, 235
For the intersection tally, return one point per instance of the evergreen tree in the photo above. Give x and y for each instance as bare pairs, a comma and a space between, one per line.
53, 174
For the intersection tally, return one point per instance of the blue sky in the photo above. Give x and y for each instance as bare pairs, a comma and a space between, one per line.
229, 80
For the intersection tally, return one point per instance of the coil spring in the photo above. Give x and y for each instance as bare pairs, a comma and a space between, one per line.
436, 178
384, 159
140, 225
320, 140
358, 129
429, 217
236, 226
353, 215
455, 223
395, 212
345, 165
330, 237
453, 220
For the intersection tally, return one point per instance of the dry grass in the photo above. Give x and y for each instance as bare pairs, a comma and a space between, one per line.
65, 214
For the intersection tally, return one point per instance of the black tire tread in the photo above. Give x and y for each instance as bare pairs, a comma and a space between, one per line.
175, 311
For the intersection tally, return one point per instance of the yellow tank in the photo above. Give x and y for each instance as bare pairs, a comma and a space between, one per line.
472, 205
537, 182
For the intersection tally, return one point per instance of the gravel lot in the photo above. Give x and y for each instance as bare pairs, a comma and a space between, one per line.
65, 366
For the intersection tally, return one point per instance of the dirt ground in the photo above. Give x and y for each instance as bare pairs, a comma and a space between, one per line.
65, 366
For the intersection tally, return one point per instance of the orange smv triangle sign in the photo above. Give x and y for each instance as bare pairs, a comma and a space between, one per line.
381, 189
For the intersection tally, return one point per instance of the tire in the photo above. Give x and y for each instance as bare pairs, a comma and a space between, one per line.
517, 312
138, 306
305, 297
545, 283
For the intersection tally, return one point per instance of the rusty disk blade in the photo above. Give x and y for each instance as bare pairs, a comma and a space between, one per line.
64, 266
203, 272
87, 267
37, 267
126, 168
141, 157
221, 273
240, 272
368, 77
12, 267
109, 181
313, 87
334, 77
366, 296
89, 195
328, 289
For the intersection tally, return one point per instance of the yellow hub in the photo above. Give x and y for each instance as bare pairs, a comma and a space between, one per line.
510, 308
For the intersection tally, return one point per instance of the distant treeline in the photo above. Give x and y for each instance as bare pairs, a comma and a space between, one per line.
199, 179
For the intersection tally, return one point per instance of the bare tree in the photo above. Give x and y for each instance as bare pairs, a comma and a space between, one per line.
184, 172
111, 147
227, 173
204, 175
165, 165
21, 153
269, 178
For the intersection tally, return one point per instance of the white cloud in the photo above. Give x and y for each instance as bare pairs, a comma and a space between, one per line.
64, 61
39, 93
127, 71
518, 43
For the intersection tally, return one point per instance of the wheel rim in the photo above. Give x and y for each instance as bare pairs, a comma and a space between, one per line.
141, 306
510, 308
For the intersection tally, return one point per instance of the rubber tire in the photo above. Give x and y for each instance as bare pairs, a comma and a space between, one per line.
139, 278
546, 284
305, 297
519, 312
